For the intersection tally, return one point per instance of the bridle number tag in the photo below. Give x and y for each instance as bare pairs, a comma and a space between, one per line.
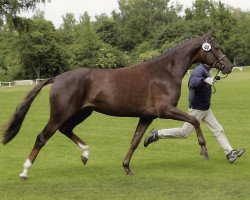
206, 46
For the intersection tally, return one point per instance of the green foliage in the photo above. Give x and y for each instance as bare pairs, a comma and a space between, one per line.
139, 30
9, 9
142, 48
107, 29
86, 45
139, 19
110, 57
9, 56
67, 29
41, 50
181, 30
148, 55
238, 44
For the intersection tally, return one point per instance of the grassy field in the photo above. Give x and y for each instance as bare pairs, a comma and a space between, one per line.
168, 169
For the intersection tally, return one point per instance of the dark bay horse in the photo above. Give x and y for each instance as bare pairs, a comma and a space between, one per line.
147, 90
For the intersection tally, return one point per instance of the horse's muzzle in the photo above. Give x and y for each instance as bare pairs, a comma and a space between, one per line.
226, 70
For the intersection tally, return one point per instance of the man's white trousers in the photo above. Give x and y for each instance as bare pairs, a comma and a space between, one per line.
208, 118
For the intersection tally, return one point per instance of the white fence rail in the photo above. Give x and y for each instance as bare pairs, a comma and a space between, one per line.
24, 82
239, 68
9, 84
20, 82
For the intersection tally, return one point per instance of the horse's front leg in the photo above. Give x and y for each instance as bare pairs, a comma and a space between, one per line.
176, 114
139, 132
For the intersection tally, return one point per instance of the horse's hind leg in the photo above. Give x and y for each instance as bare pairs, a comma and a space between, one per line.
67, 129
41, 139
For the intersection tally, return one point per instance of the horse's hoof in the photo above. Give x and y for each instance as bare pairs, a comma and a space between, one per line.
23, 177
84, 159
204, 155
129, 173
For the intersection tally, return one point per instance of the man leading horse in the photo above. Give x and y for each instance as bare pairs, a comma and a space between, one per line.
200, 91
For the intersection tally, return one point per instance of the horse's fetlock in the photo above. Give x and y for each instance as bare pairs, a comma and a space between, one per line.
27, 164
125, 164
201, 141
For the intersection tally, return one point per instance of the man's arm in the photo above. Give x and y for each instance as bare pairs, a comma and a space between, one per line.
197, 79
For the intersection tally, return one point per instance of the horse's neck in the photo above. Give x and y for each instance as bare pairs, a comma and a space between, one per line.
184, 58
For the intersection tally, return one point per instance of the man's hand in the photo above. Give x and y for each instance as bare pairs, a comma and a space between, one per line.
210, 80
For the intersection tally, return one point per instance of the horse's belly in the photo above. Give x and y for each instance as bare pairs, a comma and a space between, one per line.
125, 110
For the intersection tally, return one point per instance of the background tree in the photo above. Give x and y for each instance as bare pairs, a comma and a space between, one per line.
67, 29
86, 44
9, 55
139, 19
107, 29
139, 30
10, 9
41, 50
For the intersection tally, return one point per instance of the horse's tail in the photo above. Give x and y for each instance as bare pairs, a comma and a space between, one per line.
15, 123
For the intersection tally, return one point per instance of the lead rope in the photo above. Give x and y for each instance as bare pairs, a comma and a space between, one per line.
218, 78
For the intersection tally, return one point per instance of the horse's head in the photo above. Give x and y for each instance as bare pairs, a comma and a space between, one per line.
212, 55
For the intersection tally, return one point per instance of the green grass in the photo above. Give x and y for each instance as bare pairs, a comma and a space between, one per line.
168, 169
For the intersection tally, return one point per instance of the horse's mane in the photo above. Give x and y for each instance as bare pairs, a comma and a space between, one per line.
170, 50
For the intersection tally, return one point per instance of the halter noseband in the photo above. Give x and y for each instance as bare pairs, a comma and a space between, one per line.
217, 60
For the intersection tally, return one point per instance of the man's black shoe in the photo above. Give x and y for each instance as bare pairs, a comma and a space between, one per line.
152, 137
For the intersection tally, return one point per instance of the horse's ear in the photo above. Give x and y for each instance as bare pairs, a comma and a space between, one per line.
209, 34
